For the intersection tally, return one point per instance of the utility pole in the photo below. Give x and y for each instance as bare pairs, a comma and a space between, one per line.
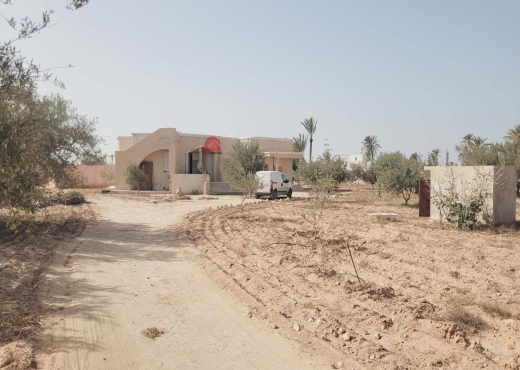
327, 149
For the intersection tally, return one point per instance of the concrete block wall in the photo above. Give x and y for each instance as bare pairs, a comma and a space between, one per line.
93, 176
504, 199
188, 183
500, 209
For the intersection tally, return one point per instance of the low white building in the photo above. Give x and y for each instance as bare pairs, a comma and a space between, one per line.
355, 159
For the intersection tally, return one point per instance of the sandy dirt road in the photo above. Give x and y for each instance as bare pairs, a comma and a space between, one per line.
126, 273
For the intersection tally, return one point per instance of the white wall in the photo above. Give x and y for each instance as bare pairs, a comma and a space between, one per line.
500, 183
355, 159
188, 183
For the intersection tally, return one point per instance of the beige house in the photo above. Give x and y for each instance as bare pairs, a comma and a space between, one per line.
190, 159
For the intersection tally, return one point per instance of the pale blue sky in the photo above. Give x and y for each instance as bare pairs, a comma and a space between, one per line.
419, 74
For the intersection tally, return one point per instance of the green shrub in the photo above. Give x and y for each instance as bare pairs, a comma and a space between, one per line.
463, 206
134, 176
323, 167
398, 174
166, 182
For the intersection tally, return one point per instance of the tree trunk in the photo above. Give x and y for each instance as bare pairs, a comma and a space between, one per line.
405, 199
310, 150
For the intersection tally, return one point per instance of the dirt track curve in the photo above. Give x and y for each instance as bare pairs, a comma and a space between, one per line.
127, 272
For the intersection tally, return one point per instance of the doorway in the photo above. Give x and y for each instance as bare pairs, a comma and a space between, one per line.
147, 168
424, 198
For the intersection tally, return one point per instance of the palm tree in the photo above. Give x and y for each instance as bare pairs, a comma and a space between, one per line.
513, 134
471, 140
478, 142
468, 140
299, 143
310, 125
370, 147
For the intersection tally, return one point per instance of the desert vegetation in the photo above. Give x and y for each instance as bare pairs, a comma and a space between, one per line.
42, 138
135, 176
240, 167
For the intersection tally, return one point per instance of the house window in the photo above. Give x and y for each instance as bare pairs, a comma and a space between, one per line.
166, 161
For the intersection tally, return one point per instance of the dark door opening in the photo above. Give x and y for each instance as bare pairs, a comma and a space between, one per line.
424, 198
147, 168
193, 163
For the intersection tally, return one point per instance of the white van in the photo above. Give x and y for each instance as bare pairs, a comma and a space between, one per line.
274, 183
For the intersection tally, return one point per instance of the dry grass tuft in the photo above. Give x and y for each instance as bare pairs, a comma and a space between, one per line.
152, 333
462, 297
496, 309
363, 264
461, 316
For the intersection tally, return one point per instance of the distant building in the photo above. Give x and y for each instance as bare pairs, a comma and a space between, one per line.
352, 160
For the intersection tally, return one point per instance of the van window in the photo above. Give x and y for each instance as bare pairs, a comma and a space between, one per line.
283, 177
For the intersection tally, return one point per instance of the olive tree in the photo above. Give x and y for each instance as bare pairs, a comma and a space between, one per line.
398, 174
324, 167
322, 175
239, 168
41, 139
134, 176
370, 176
357, 173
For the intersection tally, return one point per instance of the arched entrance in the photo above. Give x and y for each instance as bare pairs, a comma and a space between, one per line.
156, 167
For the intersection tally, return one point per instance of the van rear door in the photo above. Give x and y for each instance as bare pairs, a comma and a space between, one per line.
265, 179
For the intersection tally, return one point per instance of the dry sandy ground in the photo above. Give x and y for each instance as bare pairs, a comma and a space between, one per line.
176, 285
127, 273
430, 296
24, 258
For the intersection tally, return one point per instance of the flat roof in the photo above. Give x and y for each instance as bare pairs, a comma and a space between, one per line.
294, 155
266, 138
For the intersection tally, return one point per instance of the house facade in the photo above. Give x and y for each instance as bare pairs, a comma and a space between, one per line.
190, 159
355, 159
